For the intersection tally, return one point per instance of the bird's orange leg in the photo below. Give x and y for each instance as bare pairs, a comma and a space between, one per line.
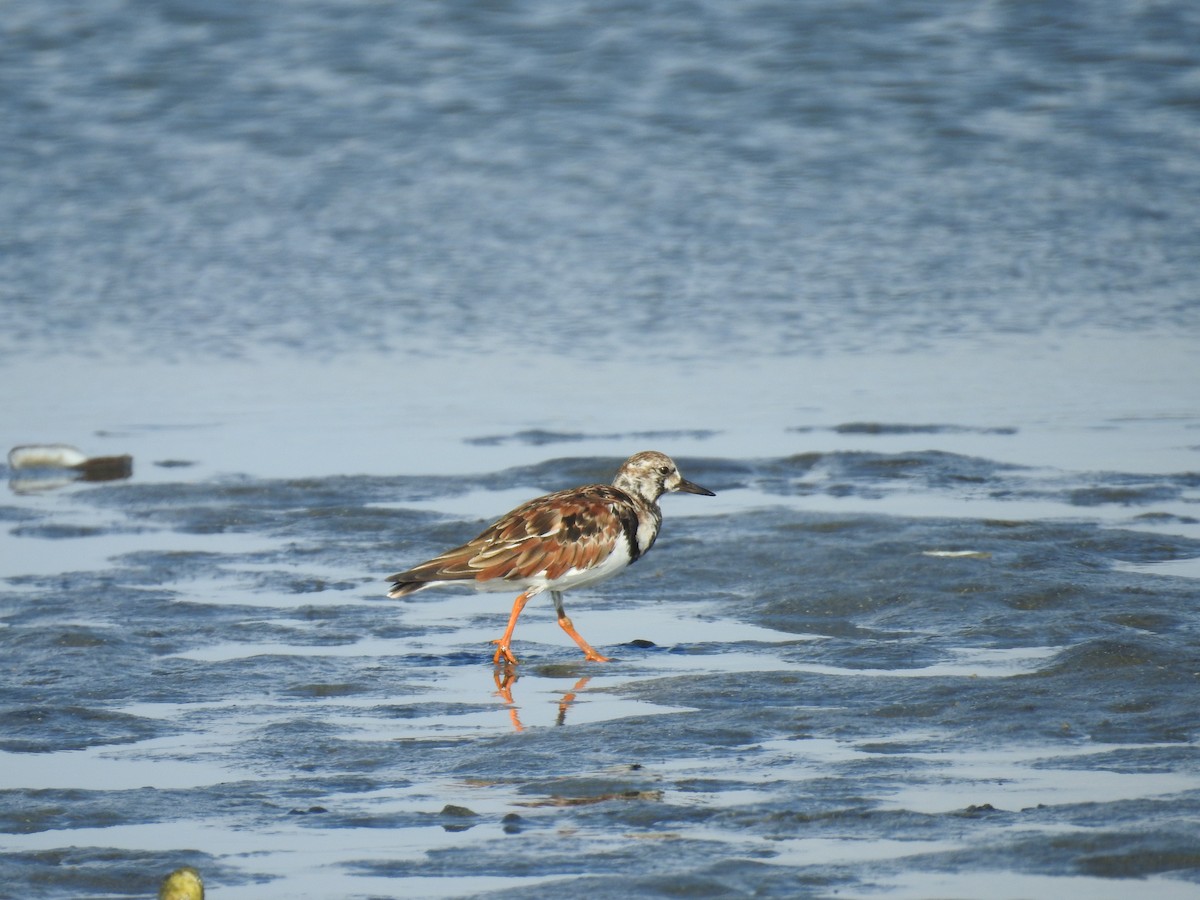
565, 624
504, 651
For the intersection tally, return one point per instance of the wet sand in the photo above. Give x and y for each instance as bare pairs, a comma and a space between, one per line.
863, 669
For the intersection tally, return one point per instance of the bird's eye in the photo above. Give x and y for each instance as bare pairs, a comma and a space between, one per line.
666, 470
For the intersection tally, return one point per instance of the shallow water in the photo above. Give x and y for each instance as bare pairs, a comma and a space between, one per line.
800, 701
911, 287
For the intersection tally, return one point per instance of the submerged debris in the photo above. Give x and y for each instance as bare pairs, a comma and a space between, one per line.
49, 460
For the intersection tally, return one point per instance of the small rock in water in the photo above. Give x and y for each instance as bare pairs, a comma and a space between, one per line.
183, 884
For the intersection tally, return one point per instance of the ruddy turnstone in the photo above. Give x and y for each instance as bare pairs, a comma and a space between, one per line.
565, 540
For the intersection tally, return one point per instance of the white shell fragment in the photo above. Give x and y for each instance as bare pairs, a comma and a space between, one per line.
45, 456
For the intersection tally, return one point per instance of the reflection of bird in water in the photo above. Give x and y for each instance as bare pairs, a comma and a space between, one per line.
506, 677
569, 539
568, 698
182, 884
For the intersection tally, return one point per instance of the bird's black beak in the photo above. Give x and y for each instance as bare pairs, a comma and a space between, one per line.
690, 488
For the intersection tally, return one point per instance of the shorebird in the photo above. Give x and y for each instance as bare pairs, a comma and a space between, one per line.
568, 539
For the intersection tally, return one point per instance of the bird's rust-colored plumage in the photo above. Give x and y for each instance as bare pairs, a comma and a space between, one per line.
567, 539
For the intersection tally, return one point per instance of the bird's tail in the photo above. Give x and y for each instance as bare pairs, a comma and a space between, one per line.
404, 588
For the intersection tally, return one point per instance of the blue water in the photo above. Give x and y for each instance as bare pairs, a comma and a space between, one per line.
599, 179
914, 287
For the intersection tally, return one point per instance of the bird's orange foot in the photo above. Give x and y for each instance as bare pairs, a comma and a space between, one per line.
596, 657
503, 654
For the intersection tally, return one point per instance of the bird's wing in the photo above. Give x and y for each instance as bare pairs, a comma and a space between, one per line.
546, 537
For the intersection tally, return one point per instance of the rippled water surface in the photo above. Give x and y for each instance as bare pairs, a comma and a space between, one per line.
912, 287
